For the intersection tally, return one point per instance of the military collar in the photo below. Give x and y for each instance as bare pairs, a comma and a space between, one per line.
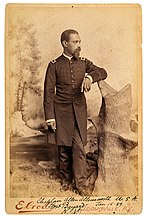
69, 58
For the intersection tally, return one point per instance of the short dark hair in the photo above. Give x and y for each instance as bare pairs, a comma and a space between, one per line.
66, 34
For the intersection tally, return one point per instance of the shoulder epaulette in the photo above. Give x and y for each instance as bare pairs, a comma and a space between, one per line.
53, 61
82, 59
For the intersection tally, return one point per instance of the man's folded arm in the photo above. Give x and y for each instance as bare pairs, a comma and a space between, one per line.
97, 73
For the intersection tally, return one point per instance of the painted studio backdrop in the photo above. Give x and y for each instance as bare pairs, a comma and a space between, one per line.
111, 38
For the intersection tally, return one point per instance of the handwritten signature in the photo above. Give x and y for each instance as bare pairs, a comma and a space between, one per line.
74, 205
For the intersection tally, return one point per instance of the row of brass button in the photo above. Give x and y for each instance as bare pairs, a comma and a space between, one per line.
72, 75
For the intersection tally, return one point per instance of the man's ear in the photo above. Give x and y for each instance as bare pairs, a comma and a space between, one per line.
64, 43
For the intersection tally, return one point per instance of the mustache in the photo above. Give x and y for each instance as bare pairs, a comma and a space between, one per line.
77, 50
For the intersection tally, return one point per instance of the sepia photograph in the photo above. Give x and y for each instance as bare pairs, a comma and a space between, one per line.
73, 83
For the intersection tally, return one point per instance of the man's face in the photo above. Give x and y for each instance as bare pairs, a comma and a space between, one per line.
74, 45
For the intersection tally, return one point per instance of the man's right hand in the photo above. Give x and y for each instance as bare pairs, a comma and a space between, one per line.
52, 124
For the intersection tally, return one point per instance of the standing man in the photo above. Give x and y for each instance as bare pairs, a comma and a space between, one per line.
65, 107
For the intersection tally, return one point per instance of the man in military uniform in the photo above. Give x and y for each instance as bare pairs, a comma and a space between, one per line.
65, 107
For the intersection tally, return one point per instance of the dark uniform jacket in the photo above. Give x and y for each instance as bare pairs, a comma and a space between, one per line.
63, 99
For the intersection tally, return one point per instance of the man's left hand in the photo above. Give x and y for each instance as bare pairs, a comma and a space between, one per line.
86, 85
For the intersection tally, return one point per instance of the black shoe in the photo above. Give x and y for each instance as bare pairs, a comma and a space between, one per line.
83, 191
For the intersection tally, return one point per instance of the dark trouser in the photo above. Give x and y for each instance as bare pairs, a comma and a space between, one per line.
72, 161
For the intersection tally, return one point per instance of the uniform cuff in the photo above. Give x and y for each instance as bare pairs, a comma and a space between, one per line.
89, 77
50, 120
